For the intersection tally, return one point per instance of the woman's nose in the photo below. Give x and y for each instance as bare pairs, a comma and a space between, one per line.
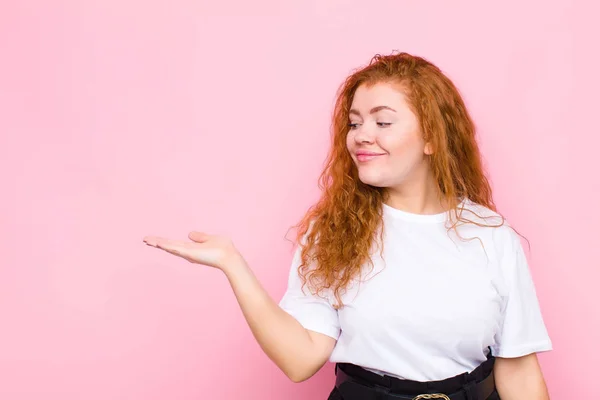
363, 135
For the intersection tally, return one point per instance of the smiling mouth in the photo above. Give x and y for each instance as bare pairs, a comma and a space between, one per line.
364, 157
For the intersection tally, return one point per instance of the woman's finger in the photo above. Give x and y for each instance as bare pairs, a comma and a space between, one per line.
175, 250
175, 247
163, 243
198, 237
150, 240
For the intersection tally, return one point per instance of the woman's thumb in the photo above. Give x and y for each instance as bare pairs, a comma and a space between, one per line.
198, 237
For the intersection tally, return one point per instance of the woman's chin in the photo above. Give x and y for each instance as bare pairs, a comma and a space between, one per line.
371, 180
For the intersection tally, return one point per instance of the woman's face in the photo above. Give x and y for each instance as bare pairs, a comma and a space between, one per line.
385, 140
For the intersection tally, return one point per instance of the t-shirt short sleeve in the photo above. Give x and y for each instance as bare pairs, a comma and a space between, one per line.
522, 330
313, 312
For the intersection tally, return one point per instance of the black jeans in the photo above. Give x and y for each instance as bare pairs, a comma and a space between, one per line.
414, 388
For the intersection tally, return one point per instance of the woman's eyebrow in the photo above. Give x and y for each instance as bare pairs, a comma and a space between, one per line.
373, 110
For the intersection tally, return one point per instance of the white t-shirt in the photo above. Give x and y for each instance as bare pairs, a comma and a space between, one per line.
436, 305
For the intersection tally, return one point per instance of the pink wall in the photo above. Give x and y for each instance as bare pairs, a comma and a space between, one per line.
124, 118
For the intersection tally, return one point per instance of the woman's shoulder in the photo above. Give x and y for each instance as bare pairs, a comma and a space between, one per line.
479, 214
484, 219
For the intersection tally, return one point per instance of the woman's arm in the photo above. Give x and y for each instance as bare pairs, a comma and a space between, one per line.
520, 378
298, 352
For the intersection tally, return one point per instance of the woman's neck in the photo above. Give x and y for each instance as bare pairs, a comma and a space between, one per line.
422, 197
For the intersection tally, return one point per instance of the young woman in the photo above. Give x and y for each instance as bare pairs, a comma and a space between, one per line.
405, 275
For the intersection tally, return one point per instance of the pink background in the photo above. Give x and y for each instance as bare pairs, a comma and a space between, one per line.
124, 118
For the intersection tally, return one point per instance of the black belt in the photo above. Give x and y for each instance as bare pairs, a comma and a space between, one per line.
353, 389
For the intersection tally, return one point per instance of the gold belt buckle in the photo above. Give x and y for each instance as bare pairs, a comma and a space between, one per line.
431, 396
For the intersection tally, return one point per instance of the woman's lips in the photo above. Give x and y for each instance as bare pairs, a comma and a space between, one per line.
364, 156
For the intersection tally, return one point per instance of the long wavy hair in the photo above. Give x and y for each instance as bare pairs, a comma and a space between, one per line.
338, 231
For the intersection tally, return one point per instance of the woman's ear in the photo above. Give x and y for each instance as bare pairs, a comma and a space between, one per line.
428, 148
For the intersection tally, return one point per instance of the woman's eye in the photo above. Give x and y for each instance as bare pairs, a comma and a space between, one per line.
384, 124
353, 125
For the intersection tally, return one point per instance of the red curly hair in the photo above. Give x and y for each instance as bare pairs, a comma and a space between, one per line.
338, 231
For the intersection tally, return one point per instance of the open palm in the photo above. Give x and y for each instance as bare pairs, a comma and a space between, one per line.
210, 250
